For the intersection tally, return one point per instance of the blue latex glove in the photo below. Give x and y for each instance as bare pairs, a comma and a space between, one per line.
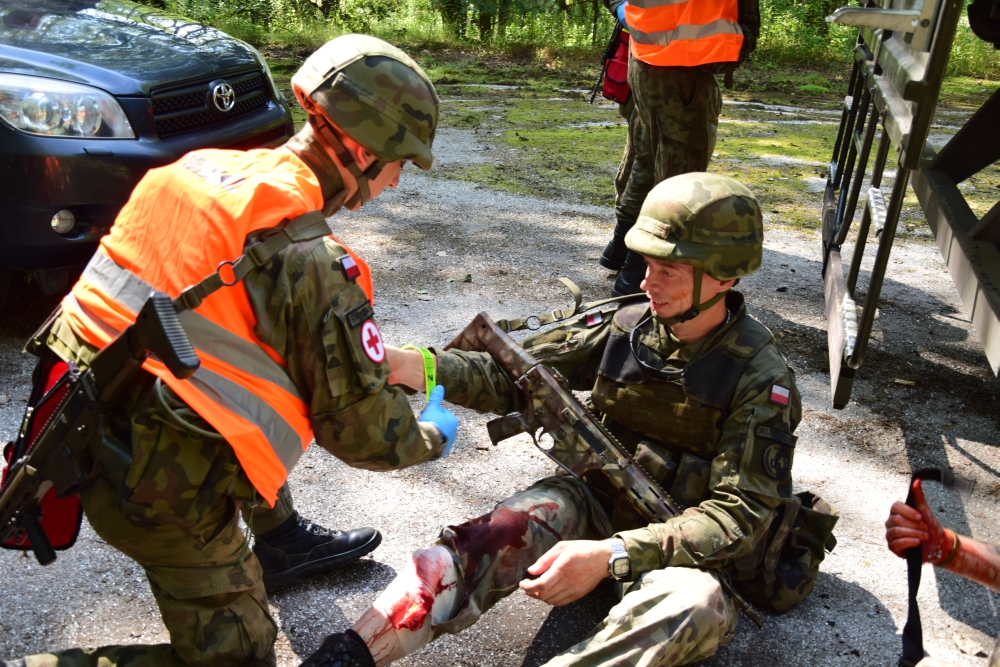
620, 14
440, 417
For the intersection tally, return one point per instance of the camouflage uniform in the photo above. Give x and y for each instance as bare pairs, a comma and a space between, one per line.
176, 511
718, 439
673, 127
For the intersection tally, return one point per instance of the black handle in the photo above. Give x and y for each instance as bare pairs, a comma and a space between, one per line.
40, 543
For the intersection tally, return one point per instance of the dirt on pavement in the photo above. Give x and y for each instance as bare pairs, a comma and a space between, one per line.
422, 240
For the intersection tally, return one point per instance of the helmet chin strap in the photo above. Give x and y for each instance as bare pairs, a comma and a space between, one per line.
362, 177
697, 308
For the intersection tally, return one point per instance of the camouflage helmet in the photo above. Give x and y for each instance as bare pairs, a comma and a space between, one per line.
374, 93
709, 221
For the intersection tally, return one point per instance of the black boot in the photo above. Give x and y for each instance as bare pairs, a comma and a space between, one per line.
615, 252
298, 548
631, 276
344, 649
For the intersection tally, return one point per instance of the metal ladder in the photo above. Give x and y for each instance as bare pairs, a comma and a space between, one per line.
900, 59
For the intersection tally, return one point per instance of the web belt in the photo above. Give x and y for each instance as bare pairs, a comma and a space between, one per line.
537, 321
306, 227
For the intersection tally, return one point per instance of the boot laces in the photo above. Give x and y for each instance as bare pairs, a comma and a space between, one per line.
316, 529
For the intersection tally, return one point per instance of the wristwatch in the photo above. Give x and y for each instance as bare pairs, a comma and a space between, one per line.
619, 565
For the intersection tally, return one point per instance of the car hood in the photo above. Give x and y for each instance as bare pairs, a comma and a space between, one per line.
124, 48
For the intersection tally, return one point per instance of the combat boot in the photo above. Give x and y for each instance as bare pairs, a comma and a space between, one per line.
631, 276
616, 251
299, 547
344, 649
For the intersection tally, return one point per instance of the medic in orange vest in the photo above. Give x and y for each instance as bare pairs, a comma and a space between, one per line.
289, 354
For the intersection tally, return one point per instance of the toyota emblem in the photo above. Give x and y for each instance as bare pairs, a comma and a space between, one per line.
223, 96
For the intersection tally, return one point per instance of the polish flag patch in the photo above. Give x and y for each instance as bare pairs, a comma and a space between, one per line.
349, 267
779, 394
594, 319
371, 342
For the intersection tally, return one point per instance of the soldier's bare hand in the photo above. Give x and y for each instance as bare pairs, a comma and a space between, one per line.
568, 571
406, 367
905, 528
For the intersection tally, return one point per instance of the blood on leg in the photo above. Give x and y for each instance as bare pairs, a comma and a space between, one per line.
399, 621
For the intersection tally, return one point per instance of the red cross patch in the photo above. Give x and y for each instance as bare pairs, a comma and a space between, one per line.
371, 341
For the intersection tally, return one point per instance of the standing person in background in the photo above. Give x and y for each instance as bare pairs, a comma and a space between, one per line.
909, 527
289, 353
677, 102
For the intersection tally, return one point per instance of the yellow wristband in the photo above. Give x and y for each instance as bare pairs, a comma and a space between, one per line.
430, 374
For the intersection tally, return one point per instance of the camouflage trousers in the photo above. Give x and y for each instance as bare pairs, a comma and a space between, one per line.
672, 129
669, 616
176, 515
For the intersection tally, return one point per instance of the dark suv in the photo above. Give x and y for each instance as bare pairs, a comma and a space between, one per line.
92, 95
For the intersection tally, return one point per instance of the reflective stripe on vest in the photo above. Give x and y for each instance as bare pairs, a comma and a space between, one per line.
684, 33
180, 223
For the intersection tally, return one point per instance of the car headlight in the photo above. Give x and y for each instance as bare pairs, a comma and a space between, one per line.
54, 108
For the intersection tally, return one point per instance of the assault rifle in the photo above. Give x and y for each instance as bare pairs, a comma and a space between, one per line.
609, 53
75, 442
568, 433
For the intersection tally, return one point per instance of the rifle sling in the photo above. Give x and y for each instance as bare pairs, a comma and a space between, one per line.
537, 321
306, 227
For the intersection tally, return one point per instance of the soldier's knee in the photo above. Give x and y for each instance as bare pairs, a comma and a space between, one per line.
217, 631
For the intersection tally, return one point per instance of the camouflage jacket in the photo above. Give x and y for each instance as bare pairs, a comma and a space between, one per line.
302, 301
726, 457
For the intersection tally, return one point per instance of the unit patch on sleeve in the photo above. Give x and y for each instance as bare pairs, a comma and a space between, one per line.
775, 461
349, 267
779, 394
371, 342
359, 314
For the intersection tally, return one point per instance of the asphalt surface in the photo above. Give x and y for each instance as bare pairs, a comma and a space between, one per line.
430, 230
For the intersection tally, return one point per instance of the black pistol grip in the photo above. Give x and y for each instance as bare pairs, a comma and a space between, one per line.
165, 337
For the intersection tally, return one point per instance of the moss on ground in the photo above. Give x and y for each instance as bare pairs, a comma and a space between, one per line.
530, 107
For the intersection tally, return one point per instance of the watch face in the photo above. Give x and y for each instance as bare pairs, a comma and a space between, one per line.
620, 567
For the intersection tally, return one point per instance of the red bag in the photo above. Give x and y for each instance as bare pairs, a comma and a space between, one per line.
616, 73
61, 517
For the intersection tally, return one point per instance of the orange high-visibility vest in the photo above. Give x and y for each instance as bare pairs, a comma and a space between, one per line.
181, 222
684, 33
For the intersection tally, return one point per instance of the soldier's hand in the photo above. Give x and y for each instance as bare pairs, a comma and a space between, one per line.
568, 571
908, 527
406, 367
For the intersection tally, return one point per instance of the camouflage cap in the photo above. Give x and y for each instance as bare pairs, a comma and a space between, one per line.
374, 93
709, 221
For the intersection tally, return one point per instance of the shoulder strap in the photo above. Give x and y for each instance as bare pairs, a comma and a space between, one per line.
538, 321
308, 226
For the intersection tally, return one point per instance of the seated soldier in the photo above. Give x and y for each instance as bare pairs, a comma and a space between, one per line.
702, 395
907, 527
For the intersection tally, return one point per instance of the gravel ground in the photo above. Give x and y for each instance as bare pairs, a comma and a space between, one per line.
429, 234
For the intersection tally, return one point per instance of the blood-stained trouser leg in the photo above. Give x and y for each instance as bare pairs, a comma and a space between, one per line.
494, 551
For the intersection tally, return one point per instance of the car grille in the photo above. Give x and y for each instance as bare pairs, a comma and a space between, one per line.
189, 107
262, 140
